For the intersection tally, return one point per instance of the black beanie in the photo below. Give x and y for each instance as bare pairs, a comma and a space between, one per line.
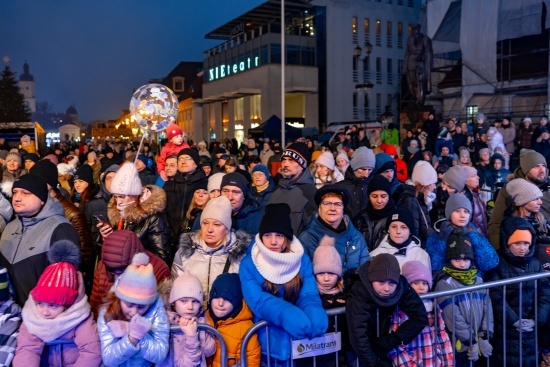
228, 287
85, 173
34, 184
32, 157
191, 153
401, 215
235, 179
276, 219
334, 189
379, 183
299, 153
47, 170
459, 246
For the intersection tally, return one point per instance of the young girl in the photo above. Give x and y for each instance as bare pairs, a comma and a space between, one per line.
58, 309
325, 172
133, 327
198, 202
432, 346
191, 347
175, 144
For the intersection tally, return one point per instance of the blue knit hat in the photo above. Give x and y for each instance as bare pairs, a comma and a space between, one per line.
383, 162
261, 168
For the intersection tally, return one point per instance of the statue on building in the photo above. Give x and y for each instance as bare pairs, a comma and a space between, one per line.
418, 63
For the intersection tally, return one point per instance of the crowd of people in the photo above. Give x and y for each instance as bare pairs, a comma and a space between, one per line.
109, 248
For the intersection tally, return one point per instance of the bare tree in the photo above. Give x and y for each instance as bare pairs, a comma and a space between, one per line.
44, 107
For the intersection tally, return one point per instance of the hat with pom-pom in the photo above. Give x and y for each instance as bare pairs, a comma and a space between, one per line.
126, 181
58, 283
326, 258
138, 283
416, 270
173, 130
186, 285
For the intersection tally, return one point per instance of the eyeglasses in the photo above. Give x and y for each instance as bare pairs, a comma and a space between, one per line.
185, 158
337, 204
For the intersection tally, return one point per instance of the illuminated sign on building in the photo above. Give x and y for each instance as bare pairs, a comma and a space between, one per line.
229, 69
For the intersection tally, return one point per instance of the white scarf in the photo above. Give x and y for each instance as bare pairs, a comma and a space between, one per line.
277, 267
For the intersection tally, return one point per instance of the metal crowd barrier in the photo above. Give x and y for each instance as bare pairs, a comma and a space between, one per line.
454, 293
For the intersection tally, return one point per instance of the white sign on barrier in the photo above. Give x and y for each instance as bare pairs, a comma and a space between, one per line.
328, 343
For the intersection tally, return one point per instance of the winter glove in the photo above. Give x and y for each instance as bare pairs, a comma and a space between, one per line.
139, 327
473, 352
485, 348
524, 325
119, 328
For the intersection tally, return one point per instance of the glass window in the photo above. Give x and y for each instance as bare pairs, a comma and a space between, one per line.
378, 33
399, 35
366, 29
471, 112
256, 107
239, 109
354, 26
378, 70
378, 104
389, 34
390, 71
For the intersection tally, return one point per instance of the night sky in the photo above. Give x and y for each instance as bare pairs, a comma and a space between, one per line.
95, 53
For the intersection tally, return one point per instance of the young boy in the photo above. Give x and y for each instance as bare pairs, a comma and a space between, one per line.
472, 311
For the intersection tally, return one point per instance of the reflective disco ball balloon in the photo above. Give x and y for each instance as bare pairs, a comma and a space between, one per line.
154, 107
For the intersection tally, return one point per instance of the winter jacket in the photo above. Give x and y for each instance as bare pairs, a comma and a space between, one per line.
369, 318
298, 193
390, 136
147, 176
373, 231
511, 266
411, 252
350, 244
479, 215
233, 329
405, 197
166, 151
207, 263
180, 191
524, 137
543, 148
147, 220
75, 324
306, 318
357, 191
6, 212
10, 321
508, 137
248, 217
25, 243
264, 156
152, 349
262, 198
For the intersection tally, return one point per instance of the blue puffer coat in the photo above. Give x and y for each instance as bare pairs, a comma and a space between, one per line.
350, 244
152, 349
306, 318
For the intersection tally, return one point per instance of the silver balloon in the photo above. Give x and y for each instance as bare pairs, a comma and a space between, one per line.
154, 106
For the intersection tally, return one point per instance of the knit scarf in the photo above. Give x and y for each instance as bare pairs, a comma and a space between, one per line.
388, 301
325, 290
467, 277
377, 214
277, 267
321, 181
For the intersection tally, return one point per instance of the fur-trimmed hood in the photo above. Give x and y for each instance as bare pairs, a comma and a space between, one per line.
139, 212
237, 244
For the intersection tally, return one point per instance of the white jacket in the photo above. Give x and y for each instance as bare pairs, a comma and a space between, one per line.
413, 252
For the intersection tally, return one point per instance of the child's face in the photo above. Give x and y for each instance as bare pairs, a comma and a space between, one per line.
187, 307
460, 217
327, 280
461, 263
420, 286
131, 309
384, 288
399, 232
498, 164
520, 248
49, 310
221, 307
178, 139
445, 151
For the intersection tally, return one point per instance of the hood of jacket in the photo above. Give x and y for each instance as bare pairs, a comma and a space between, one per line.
350, 176
303, 178
139, 212
508, 227
237, 244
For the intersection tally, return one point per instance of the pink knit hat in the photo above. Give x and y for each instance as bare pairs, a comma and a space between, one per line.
326, 258
186, 285
138, 283
415, 271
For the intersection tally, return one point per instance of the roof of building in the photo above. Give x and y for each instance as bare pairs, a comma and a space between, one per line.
26, 76
71, 110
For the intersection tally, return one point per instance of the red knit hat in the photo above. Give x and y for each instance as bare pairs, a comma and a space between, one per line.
173, 130
58, 285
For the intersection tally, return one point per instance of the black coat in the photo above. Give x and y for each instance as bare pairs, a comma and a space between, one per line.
357, 192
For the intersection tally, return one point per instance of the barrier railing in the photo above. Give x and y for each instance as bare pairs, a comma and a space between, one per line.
454, 293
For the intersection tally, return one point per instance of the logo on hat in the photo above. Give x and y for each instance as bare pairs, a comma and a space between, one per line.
462, 256
453, 244
395, 216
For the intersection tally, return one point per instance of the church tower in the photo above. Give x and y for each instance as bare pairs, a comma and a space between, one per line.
26, 85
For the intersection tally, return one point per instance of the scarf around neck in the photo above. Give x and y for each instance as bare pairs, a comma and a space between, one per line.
377, 214
277, 267
467, 277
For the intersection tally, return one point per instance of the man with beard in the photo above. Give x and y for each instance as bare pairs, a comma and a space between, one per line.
532, 167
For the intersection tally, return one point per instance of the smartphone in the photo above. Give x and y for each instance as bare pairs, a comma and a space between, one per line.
100, 218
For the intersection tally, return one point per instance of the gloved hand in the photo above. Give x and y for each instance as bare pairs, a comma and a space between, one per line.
139, 327
119, 328
473, 352
524, 325
485, 348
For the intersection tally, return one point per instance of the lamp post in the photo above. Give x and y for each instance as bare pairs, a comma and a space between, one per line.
366, 86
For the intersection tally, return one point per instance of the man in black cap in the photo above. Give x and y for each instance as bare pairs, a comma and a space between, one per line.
296, 187
245, 212
38, 223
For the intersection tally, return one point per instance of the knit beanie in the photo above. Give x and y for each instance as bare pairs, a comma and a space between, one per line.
529, 158
315, 155
85, 173
4, 285
144, 159
219, 209
261, 168
378, 183
484, 150
326, 258
205, 161
34, 184
363, 157
331, 189
58, 283
343, 155
235, 179
455, 202
404, 216
173, 130
383, 162
327, 160
26, 138
424, 173
32, 157
464, 153
456, 177
126, 181
138, 283
228, 287
215, 181
471, 171
383, 267
298, 152
12, 156
47, 170
520, 235
186, 285
191, 153
459, 246
276, 219
112, 168
521, 191
416, 271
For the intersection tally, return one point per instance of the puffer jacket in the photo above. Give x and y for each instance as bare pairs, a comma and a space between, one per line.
6, 212
511, 266
357, 192
411, 252
479, 216
207, 263
508, 137
404, 197
233, 329
350, 244
372, 230
152, 349
147, 220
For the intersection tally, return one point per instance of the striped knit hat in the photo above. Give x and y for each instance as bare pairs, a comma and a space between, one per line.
137, 284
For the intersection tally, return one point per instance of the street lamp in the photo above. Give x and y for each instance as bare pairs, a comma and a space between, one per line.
366, 86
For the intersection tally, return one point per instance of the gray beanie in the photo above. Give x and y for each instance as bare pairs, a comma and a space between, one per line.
363, 158
522, 191
215, 181
12, 156
455, 202
219, 209
456, 177
529, 158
